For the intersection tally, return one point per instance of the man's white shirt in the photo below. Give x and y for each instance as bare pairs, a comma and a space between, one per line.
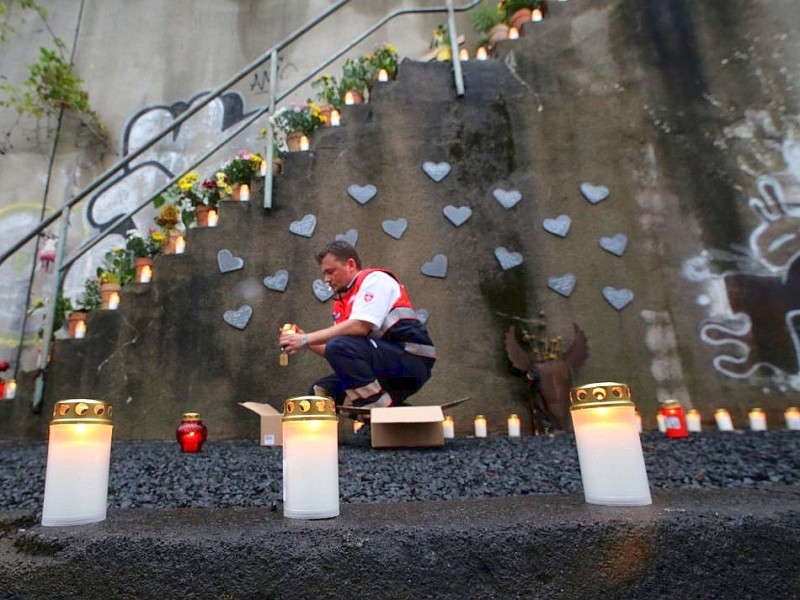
375, 298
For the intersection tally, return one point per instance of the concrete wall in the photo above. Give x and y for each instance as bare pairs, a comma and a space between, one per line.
686, 111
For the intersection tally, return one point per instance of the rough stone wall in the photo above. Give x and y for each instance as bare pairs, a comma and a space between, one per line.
686, 111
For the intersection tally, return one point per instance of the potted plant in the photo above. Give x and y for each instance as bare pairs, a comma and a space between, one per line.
242, 169
517, 12
441, 43
356, 76
489, 20
296, 121
330, 95
144, 248
117, 270
384, 57
88, 301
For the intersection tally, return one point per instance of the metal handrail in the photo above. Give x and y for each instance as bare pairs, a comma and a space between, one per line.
104, 181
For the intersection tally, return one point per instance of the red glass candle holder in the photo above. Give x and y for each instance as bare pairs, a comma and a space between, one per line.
191, 433
674, 419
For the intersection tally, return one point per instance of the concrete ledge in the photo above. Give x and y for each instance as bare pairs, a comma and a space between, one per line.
720, 543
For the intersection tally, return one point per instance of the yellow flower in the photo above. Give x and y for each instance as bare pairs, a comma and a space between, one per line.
391, 48
368, 56
157, 236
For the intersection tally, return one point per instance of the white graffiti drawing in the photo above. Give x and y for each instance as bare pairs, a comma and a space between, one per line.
754, 303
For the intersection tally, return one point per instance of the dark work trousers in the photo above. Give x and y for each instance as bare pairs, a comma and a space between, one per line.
358, 361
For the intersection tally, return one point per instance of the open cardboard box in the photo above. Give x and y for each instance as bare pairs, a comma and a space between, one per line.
271, 423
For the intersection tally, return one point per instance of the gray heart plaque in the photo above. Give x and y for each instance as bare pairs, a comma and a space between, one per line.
238, 318
615, 245
350, 236
423, 315
457, 215
558, 226
563, 284
395, 228
507, 198
228, 262
508, 260
618, 298
304, 227
436, 268
322, 290
362, 193
277, 282
594, 193
436, 171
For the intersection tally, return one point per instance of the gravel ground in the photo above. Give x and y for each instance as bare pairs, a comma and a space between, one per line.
240, 473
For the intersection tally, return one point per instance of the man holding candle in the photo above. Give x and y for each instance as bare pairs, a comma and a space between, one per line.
379, 349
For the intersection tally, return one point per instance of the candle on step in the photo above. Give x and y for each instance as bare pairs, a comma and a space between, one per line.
180, 245
480, 426
758, 419
335, 118
513, 33
693, 421
792, 416
304, 144
244, 192
146, 274
11, 389
514, 426
537, 15
383, 75
113, 301
481, 54
80, 330
463, 55
213, 217
723, 419
448, 426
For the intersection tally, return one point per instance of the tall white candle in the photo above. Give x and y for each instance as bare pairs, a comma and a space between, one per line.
449, 428
514, 426
693, 421
723, 419
480, 426
758, 419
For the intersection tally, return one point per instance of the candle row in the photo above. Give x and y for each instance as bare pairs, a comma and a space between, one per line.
757, 420
480, 426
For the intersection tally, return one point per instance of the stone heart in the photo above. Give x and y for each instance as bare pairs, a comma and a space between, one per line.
350, 236
619, 299
558, 226
507, 198
395, 228
362, 193
457, 215
238, 318
304, 227
436, 268
423, 315
615, 245
594, 193
277, 282
436, 171
563, 284
228, 262
508, 260
322, 290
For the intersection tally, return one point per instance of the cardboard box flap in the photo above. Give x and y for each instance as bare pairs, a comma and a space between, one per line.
260, 408
407, 414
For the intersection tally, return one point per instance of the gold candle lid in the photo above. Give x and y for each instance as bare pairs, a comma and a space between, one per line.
305, 408
595, 395
190, 416
82, 411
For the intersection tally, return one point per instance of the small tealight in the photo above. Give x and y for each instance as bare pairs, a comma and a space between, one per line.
723, 419
448, 427
758, 419
480, 426
693, 421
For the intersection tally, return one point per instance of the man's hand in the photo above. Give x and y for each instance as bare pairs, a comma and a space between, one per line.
291, 340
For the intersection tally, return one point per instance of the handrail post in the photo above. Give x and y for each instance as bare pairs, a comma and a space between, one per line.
51, 316
273, 93
451, 29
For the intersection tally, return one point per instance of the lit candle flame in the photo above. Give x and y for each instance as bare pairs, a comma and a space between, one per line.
180, 245
383, 75
304, 144
244, 192
349, 99
513, 33
536, 15
481, 54
262, 170
80, 330
113, 301
335, 118
213, 217
146, 274
463, 55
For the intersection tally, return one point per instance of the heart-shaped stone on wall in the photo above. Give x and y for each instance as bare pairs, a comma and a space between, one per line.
507, 198
423, 315
238, 318
304, 227
457, 215
395, 228
508, 260
436, 267
618, 298
615, 244
436, 171
228, 262
594, 193
562, 284
350, 236
362, 193
558, 226
322, 290
277, 282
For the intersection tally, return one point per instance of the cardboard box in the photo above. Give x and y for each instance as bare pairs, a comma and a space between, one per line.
271, 423
407, 426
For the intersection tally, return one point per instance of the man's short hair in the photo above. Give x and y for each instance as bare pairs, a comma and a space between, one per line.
340, 250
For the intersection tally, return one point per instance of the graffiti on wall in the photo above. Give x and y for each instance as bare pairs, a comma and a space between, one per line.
752, 292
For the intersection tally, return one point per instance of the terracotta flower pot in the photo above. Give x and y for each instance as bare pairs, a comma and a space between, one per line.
237, 191
358, 97
141, 263
74, 318
172, 241
201, 214
106, 291
325, 112
497, 34
523, 15
293, 141
277, 166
